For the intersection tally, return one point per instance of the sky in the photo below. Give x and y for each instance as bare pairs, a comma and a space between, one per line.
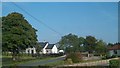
98, 19
60, 0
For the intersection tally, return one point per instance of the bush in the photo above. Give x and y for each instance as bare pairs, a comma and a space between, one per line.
114, 56
106, 57
76, 57
114, 63
68, 61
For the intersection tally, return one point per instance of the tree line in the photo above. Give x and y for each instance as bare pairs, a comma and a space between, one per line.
73, 43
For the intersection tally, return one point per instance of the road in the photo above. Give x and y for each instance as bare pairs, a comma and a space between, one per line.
37, 63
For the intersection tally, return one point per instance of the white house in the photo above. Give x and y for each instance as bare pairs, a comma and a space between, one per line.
51, 49
114, 50
46, 48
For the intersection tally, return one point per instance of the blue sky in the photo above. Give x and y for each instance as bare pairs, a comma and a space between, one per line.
60, 0
99, 19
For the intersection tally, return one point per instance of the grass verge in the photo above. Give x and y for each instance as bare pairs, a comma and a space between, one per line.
57, 63
7, 60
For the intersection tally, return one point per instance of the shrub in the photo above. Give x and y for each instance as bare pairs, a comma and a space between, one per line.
68, 61
76, 57
114, 63
106, 57
113, 56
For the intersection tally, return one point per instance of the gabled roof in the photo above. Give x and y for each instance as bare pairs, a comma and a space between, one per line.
42, 44
115, 47
50, 46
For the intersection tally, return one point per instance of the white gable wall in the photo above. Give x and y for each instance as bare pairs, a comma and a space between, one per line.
54, 49
48, 51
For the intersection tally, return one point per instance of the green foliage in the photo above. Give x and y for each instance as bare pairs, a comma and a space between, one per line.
81, 40
107, 56
114, 63
90, 42
17, 33
38, 48
100, 47
71, 43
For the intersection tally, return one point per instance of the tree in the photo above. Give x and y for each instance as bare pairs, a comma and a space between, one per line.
117, 43
81, 43
17, 33
100, 47
110, 44
81, 40
89, 44
38, 49
70, 42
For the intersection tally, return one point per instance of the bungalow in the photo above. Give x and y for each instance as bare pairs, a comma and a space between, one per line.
51, 49
114, 50
46, 48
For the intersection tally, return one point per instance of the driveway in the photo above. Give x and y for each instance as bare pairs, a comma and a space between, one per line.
37, 63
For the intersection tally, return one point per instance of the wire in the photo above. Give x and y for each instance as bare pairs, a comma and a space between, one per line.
37, 19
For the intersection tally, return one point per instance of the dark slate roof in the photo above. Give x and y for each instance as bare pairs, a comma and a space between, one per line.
50, 46
42, 44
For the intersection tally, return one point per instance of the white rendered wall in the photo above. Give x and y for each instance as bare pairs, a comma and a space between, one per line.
54, 49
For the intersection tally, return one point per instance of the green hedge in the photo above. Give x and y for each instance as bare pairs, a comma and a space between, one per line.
114, 63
